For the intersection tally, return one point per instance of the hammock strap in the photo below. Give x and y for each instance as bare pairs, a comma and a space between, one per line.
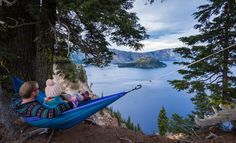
136, 88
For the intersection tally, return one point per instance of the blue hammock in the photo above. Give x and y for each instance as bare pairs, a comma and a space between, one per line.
72, 117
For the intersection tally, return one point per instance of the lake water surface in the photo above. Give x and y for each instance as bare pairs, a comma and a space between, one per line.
141, 105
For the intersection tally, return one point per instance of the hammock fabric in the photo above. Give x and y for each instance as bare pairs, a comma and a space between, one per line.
72, 117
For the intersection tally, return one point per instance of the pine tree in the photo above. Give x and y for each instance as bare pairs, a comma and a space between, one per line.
34, 31
163, 124
67, 68
139, 128
119, 118
211, 81
128, 123
82, 74
178, 124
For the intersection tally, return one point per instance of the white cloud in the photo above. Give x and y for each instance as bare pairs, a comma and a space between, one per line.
166, 41
163, 42
165, 22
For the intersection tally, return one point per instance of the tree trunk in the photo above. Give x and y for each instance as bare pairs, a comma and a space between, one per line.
45, 44
7, 116
225, 96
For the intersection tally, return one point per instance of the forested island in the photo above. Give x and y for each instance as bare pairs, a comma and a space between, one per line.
145, 62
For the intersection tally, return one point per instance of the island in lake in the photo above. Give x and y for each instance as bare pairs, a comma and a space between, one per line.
144, 62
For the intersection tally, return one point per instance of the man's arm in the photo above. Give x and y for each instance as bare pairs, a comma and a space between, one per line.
40, 111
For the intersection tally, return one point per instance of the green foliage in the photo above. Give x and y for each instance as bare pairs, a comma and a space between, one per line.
127, 122
203, 104
152, 1
163, 122
90, 21
117, 114
178, 124
82, 74
60, 25
5, 79
138, 128
66, 67
210, 81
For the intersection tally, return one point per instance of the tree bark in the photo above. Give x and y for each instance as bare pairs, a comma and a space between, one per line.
45, 44
225, 96
7, 116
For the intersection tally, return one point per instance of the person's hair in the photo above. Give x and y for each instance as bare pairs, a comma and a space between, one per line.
27, 88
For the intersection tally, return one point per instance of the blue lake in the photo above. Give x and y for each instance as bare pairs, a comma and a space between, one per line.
141, 105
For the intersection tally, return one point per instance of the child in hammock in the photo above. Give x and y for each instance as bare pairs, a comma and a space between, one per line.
54, 97
73, 91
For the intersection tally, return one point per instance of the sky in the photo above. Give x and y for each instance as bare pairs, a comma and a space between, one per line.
165, 22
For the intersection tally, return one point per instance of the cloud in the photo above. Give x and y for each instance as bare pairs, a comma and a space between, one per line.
163, 42
166, 41
171, 14
166, 22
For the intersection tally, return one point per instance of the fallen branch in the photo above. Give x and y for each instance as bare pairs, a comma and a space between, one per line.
92, 122
225, 114
211, 136
50, 137
126, 139
25, 136
196, 135
8, 3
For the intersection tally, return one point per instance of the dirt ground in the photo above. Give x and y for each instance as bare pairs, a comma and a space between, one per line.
86, 133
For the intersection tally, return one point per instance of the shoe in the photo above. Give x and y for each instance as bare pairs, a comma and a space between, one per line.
86, 96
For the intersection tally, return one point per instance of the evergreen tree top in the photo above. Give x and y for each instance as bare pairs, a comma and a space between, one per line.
89, 26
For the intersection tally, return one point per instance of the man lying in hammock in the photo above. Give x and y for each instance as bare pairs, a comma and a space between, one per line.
28, 106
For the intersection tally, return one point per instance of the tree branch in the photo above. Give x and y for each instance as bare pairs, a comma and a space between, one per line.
50, 137
2, 22
68, 34
196, 134
24, 137
17, 25
53, 30
23, 24
9, 3
216, 79
209, 77
126, 139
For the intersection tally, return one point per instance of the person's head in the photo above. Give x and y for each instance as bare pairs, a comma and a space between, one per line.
52, 89
29, 89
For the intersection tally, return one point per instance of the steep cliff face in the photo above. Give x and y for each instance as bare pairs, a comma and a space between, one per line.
162, 55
